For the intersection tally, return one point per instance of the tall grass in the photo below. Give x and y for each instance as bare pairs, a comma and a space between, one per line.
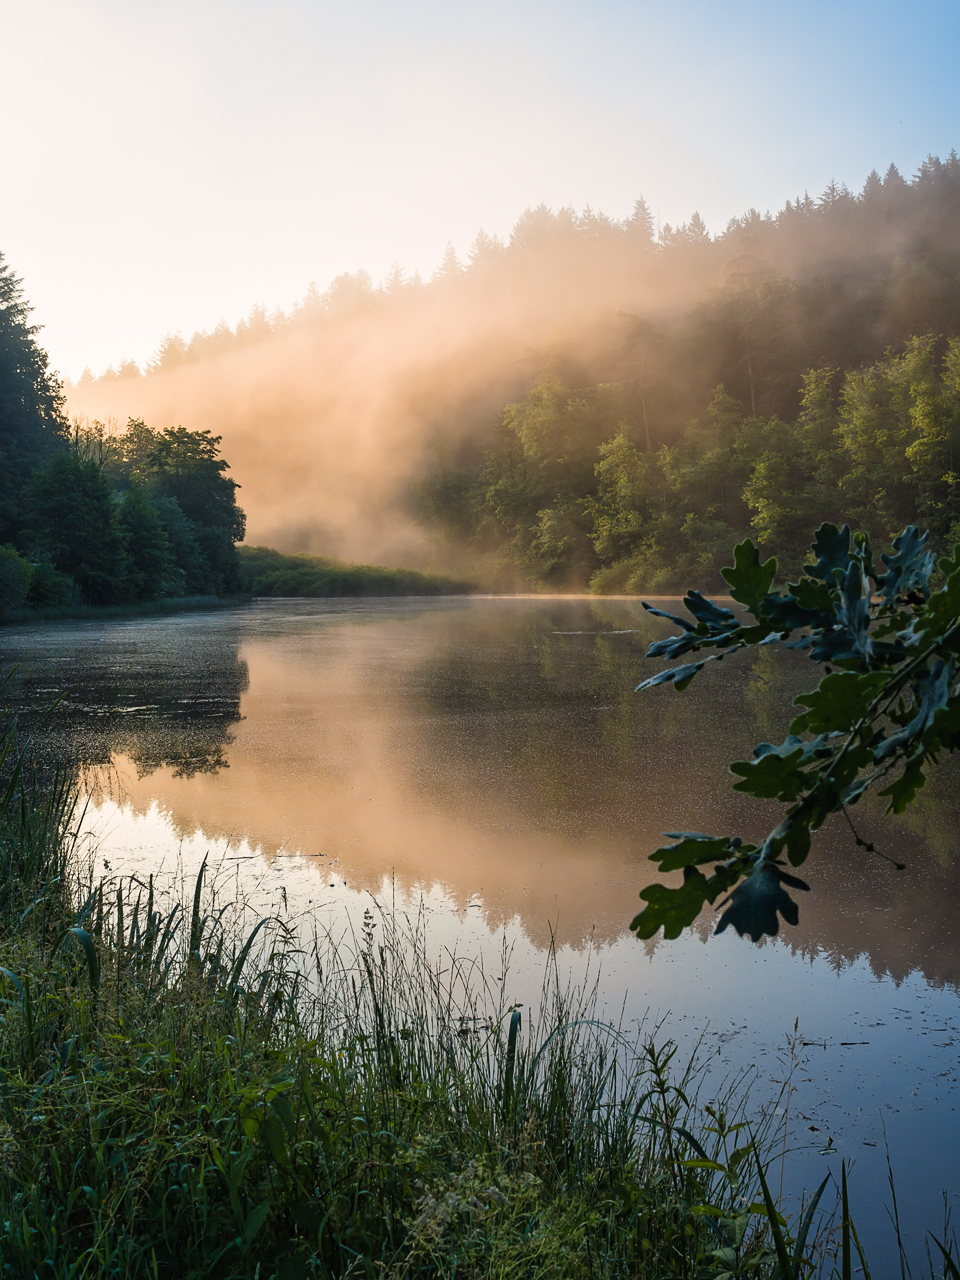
183, 1097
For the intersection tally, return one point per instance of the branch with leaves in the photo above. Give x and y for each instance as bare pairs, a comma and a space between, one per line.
888, 704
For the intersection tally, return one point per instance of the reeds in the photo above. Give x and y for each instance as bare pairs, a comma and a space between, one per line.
184, 1096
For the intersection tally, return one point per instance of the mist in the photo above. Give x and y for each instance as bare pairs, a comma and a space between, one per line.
329, 415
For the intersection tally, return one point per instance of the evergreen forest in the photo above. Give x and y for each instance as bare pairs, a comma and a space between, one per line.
94, 517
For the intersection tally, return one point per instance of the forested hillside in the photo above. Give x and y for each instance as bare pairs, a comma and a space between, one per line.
370, 421
574, 492
91, 516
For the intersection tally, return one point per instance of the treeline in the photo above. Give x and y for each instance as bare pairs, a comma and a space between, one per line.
629, 323
270, 573
610, 339
576, 492
834, 280
93, 517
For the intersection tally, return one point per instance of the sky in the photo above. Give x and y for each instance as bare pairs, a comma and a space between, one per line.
166, 165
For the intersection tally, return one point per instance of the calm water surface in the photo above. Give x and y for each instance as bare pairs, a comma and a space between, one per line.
488, 759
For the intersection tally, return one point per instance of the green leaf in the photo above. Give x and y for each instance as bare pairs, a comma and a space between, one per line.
910, 566
672, 647
950, 1270
254, 1222
831, 546
273, 1135
786, 614
281, 1105
838, 702
903, 791
798, 843
754, 903
12, 977
671, 617
674, 909
86, 943
707, 612
808, 604
681, 675
801, 1241
892, 702
780, 1244
772, 777
750, 581
694, 850
949, 565
815, 596
941, 610
931, 695
854, 612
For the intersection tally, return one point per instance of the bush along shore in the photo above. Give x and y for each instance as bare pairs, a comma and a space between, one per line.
271, 573
183, 1096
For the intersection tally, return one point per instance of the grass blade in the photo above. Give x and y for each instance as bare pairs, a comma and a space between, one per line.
805, 1225
193, 949
510, 1064
779, 1243
950, 1269
845, 1262
89, 951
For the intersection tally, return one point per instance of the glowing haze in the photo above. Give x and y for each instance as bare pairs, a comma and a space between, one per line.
327, 421
169, 164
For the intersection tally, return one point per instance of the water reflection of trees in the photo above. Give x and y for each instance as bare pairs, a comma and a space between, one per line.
544, 702
496, 739
166, 704
579, 745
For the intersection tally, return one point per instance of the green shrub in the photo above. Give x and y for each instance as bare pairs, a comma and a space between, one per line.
15, 575
271, 573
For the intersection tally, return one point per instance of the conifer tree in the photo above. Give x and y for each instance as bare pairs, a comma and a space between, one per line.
71, 515
151, 567
640, 225
450, 267
32, 420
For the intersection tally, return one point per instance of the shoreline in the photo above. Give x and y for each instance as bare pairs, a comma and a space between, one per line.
136, 609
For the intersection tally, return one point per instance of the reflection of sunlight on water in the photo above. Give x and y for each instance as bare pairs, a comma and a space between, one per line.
876, 1058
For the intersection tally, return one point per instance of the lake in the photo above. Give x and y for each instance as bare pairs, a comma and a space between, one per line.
486, 761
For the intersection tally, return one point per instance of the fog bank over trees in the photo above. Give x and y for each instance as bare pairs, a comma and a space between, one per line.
371, 422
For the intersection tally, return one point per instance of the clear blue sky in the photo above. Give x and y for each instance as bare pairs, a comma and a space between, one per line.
169, 162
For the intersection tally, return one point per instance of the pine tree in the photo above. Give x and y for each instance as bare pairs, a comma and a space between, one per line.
450, 267
348, 293
893, 181
32, 420
485, 251
71, 515
151, 568
171, 353
640, 225
395, 281
697, 232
